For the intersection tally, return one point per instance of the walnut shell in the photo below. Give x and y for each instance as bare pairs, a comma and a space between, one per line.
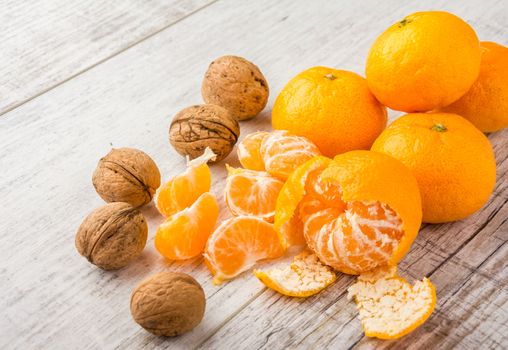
168, 303
197, 127
112, 236
126, 175
237, 85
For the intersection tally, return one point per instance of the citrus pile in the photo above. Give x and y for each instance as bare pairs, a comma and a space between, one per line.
332, 182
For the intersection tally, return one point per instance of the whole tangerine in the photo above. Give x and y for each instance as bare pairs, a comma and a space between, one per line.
423, 62
333, 108
486, 103
451, 159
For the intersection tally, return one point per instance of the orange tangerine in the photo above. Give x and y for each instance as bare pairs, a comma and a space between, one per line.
250, 192
182, 191
359, 211
248, 151
282, 152
237, 244
486, 103
333, 108
452, 161
184, 234
425, 61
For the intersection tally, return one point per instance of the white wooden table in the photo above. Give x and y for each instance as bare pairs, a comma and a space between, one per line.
80, 77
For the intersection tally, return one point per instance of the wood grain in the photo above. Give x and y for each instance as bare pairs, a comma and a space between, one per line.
52, 142
45, 43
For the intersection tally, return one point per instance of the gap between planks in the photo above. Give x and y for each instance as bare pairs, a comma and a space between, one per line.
107, 58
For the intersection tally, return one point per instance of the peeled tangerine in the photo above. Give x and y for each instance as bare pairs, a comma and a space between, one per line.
248, 151
388, 305
182, 191
279, 153
356, 212
304, 277
184, 234
237, 244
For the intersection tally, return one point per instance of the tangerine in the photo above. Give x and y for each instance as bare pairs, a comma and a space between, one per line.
486, 103
333, 108
423, 62
359, 211
452, 161
283, 152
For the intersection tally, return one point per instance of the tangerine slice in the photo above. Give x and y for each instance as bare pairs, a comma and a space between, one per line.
183, 189
250, 192
237, 244
248, 151
304, 277
389, 307
283, 153
184, 234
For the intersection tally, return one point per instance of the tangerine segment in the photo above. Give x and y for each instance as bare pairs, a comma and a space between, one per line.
248, 151
304, 277
237, 244
184, 234
288, 224
183, 190
250, 192
283, 153
389, 307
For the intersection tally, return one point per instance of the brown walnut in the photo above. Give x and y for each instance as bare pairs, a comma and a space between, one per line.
112, 236
126, 175
237, 85
197, 127
168, 303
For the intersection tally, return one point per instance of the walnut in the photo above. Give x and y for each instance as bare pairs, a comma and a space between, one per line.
237, 85
126, 175
168, 303
197, 127
112, 236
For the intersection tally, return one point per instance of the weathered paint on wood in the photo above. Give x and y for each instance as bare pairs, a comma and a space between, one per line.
52, 138
45, 43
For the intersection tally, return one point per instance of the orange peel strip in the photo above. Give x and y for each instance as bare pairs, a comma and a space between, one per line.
389, 307
304, 277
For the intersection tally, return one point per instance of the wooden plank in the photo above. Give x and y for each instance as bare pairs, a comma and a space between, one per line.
51, 144
45, 43
126, 101
329, 320
472, 308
